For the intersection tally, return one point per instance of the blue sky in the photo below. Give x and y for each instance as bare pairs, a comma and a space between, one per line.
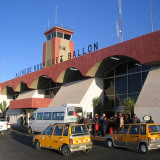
22, 26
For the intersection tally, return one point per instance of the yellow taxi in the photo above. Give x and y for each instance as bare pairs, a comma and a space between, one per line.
141, 136
66, 138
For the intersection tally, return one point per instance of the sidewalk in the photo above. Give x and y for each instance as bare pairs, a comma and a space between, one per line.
23, 129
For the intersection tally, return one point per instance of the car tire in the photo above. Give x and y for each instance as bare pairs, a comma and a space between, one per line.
37, 145
109, 143
143, 148
65, 151
87, 150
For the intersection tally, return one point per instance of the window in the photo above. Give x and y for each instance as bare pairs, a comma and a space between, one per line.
58, 130
49, 130
154, 128
109, 86
47, 116
65, 132
79, 129
67, 36
143, 129
39, 115
121, 85
53, 34
121, 69
33, 117
58, 116
134, 83
134, 129
134, 66
59, 34
49, 37
123, 130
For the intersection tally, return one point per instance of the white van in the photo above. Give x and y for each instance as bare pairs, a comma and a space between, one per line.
43, 117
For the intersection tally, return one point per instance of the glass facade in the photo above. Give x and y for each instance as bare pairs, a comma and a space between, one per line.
124, 80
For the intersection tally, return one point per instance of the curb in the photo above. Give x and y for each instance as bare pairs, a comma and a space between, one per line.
97, 138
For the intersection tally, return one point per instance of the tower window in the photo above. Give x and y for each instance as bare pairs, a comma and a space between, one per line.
59, 34
67, 36
49, 37
53, 34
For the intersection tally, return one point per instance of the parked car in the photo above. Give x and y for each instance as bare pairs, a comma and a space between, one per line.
66, 137
4, 125
142, 137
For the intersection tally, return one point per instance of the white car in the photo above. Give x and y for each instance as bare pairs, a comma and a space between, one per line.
4, 125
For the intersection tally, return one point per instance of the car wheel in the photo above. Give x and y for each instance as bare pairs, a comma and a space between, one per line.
143, 148
87, 150
65, 151
109, 143
37, 145
29, 130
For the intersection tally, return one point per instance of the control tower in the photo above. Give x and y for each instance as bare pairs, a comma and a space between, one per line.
58, 47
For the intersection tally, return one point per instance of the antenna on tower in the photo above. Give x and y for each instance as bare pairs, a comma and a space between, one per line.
120, 22
151, 15
48, 23
117, 27
56, 16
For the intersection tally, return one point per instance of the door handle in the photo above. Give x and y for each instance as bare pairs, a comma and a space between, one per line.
60, 138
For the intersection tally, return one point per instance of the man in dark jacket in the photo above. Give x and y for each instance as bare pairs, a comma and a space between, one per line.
150, 121
105, 125
135, 119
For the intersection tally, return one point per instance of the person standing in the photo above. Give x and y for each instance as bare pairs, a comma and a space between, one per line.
22, 121
105, 125
87, 121
135, 119
121, 120
126, 119
150, 120
95, 122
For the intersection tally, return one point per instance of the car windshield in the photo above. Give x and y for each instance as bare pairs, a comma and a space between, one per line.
79, 129
154, 128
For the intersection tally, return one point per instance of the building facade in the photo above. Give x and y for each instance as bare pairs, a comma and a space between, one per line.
128, 69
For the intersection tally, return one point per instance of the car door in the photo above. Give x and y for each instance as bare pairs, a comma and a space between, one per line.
46, 139
57, 138
133, 136
120, 137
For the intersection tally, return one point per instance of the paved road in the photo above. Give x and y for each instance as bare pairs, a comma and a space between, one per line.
15, 145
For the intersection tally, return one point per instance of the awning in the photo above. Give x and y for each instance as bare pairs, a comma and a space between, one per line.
30, 103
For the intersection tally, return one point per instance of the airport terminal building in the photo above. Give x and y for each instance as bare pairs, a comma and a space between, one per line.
127, 69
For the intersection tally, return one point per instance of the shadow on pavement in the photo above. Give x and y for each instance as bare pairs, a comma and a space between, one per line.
22, 138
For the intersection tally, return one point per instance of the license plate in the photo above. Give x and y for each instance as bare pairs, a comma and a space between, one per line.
82, 147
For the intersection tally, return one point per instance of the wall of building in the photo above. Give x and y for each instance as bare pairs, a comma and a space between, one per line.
79, 92
148, 102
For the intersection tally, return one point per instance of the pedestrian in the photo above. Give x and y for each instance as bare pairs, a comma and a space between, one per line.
121, 120
96, 123
135, 119
22, 121
105, 125
150, 120
8, 118
87, 121
116, 121
101, 123
126, 119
